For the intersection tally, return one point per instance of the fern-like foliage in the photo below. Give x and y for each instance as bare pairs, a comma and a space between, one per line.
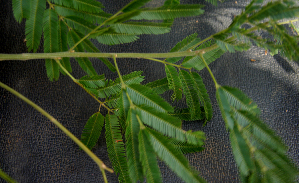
159, 86
51, 42
33, 28
174, 82
21, 9
173, 158
186, 148
148, 158
114, 87
93, 81
132, 147
92, 6
183, 45
258, 152
165, 13
116, 149
92, 130
197, 63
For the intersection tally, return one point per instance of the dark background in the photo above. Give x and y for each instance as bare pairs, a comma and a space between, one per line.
32, 149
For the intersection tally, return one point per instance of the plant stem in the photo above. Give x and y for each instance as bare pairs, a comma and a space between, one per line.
117, 69
163, 62
212, 75
6, 177
60, 126
66, 71
76, 81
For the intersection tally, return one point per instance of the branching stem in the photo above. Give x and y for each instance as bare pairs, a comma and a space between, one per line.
212, 75
61, 127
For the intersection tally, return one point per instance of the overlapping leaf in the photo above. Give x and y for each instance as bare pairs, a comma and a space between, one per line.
21, 9
254, 145
203, 95
96, 81
142, 28
116, 148
33, 28
164, 13
84, 62
142, 95
148, 158
192, 97
134, 4
114, 87
51, 42
62, 46
185, 148
91, 17
172, 157
112, 38
89, 46
92, 6
92, 130
132, 147
183, 45
174, 82
168, 125
80, 24
159, 86
197, 63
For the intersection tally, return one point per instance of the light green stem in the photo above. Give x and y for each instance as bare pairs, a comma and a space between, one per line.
99, 162
6, 177
163, 62
212, 75
66, 71
76, 81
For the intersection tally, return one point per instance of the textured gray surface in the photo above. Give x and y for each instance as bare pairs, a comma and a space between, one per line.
34, 150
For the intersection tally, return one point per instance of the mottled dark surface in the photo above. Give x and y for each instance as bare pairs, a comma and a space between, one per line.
33, 150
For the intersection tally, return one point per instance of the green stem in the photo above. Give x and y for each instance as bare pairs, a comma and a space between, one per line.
163, 62
6, 177
66, 71
118, 72
60, 126
212, 75
76, 81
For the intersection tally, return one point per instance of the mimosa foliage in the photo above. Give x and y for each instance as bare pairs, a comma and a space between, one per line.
140, 125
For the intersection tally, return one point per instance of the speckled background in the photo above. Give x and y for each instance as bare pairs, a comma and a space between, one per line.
33, 150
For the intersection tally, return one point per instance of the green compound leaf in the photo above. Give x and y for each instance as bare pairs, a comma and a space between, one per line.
133, 5
191, 93
165, 13
62, 46
116, 148
93, 81
142, 95
84, 63
203, 95
172, 157
184, 45
33, 28
21, 9
91, 17
51, 42
209, 56
174, 82
142, 28
111, 38
92, 130
114, 87
148, 158
132, 147
159, 86
92, 6
186, 148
